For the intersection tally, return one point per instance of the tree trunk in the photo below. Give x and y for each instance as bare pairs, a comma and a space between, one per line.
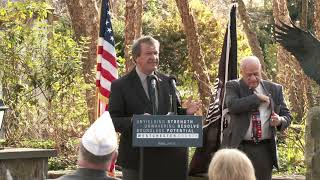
133, 28
85, 21
251, 35
194, 52
316, 18
113, 4
138, 20
129, 33
304, 15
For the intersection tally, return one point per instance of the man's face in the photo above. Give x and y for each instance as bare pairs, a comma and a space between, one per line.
251, 74
148, 60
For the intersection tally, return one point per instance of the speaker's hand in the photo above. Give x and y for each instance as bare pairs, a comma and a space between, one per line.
192, 106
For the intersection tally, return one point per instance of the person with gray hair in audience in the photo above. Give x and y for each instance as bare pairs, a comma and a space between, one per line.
230, 164
98, 147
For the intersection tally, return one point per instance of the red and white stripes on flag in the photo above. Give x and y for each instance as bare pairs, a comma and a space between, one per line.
106, 59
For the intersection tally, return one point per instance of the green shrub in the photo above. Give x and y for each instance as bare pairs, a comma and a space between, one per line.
291, 151
42, 80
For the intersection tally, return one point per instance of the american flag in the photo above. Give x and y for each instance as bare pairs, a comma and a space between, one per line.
106, 59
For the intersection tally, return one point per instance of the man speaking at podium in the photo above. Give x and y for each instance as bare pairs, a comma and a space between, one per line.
130, 95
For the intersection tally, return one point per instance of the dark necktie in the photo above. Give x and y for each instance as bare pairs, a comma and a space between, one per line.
149, 86
256, 126
152, 95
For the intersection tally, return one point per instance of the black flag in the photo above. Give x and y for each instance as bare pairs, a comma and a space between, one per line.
214, 123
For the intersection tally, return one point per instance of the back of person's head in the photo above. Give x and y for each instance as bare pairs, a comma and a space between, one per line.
230, 164
99, 142
85, 155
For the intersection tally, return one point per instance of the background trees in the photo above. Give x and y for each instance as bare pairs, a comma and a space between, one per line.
48, 80
42, 79
85, 22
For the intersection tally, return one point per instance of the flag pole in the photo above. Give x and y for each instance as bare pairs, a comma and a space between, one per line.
223, 110
97, 104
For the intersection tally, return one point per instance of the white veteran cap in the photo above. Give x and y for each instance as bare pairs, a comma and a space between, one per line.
101, 138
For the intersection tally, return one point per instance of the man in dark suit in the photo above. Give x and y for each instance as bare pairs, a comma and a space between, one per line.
257, 109
130, 95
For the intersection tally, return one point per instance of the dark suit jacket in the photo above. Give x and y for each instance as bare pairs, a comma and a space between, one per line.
127, 98
240, 101
87, 174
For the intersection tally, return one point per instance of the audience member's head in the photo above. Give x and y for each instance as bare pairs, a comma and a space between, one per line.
230, 164
98, 144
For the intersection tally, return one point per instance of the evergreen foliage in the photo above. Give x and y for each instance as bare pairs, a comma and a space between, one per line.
41, 70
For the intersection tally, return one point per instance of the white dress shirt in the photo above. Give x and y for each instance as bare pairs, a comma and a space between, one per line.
265, 111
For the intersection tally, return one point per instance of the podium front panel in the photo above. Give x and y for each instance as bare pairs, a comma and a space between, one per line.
167, 131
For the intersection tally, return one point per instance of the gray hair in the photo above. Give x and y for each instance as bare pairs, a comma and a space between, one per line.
249, 60
136, 46
231, 164
85, 155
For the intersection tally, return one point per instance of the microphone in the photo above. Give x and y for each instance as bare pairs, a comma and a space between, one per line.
173, 81
174, 97
153, 80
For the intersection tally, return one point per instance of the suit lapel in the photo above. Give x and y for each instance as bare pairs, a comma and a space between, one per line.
137, 87
245, 91
267, 89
